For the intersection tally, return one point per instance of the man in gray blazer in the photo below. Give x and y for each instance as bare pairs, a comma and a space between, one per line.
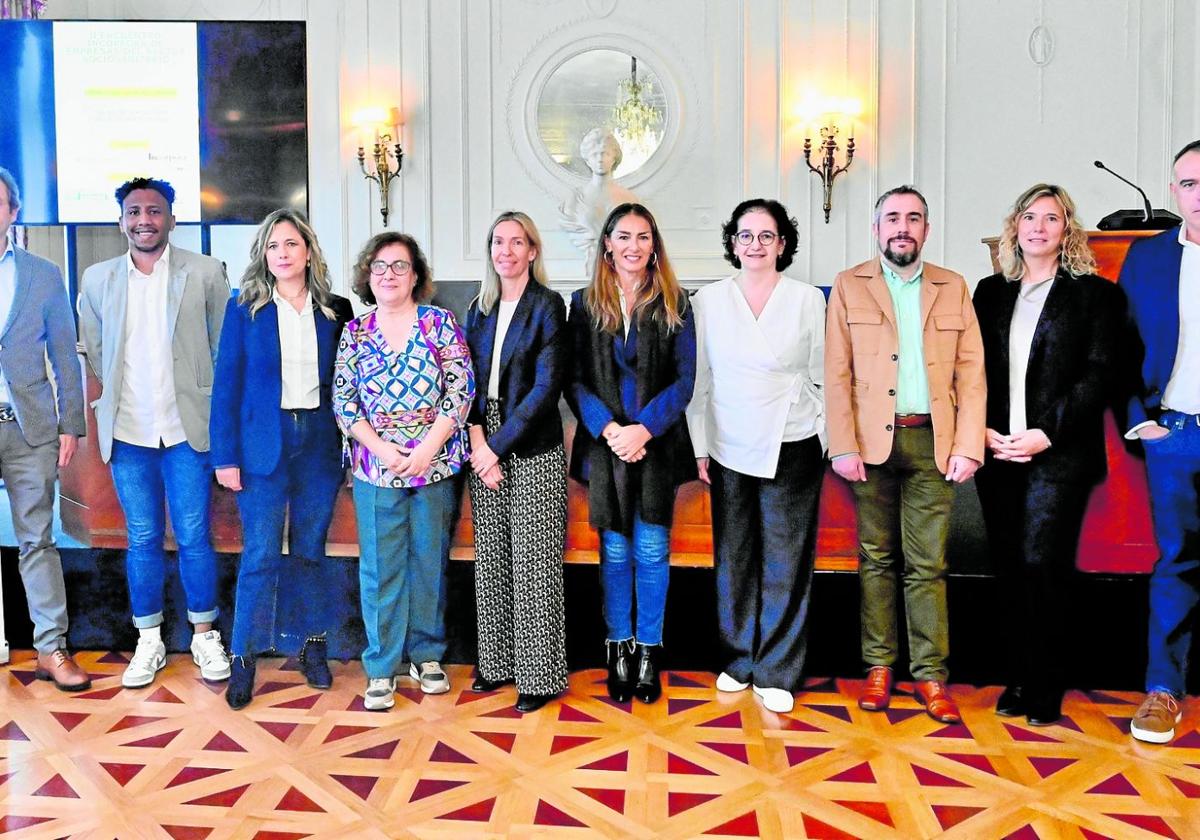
39, 428
150, 321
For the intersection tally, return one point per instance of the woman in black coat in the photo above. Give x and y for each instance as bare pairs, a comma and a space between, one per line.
1050, 332
516, 329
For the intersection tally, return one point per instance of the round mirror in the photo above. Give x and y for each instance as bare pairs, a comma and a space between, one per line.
602, 88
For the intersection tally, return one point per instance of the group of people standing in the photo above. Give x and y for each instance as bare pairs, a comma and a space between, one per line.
908, 385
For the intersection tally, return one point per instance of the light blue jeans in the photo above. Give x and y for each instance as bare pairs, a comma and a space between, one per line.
144, 477
639, 565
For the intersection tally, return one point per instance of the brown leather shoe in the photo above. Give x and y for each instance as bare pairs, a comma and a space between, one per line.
938, 704
61, 668
877, 693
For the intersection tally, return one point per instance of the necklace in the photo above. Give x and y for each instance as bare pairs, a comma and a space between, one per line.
293, 298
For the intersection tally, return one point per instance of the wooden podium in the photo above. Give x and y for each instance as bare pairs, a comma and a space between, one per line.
1117, 533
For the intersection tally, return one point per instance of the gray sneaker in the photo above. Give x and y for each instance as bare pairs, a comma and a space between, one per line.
431, 677
380, 693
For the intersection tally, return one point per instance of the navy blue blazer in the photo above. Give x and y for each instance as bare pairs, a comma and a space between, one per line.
532, 369
245, 425
1150, 278
1072, 371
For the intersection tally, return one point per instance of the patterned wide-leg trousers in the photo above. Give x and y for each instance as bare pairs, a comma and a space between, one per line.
519, 534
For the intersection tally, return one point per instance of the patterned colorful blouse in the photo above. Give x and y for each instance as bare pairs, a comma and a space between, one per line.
402, 394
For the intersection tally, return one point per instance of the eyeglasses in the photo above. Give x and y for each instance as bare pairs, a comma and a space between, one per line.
765, 238
399, 267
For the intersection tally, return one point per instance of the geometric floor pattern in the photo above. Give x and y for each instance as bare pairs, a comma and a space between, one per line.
173, 761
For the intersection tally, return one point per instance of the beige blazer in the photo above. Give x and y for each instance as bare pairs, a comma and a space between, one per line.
196, 301
861, 347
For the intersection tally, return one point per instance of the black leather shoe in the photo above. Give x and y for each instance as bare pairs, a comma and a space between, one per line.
482, 684
648, 687
314, 662
620, 670
1043, 708
527, 703
1011, 702
241, 682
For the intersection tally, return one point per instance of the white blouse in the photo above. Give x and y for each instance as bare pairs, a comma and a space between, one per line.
759, 381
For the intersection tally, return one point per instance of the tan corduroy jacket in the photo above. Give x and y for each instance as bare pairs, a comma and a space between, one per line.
861, 365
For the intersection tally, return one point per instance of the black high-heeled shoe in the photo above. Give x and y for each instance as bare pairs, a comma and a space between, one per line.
649, 686
620, 670
241, 682
527, 703
483, 684
1011, 702
314, 662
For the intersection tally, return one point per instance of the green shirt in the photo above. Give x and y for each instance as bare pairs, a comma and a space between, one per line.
912, 386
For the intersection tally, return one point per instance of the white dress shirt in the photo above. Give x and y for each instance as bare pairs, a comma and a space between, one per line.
1183, 388
759, 381
1031, 298
504, 316
8, 290
147, 413
298, 353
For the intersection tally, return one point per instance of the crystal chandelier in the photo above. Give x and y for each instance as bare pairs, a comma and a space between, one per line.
636, 122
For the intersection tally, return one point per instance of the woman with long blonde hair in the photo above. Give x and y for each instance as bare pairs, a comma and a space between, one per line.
1050, 330
633, 369
274, 440
516, 331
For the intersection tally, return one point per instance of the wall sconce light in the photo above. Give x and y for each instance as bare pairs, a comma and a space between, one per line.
828, 113
377, 126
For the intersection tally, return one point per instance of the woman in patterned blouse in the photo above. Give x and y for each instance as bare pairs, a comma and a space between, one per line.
402, 389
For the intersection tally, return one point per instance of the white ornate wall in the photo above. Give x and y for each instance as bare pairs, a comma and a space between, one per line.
969, 99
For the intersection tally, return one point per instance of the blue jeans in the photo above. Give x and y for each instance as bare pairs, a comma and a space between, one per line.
145, 478
1172, 466
404, 546
304, 487
641, 565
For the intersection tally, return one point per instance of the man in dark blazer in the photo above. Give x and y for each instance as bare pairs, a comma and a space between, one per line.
151, 322
39, 428
1161, 277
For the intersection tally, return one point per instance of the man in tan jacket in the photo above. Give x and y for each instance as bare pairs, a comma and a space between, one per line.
905, 400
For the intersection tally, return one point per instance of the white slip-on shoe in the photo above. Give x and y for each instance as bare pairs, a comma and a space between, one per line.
210, 655
148, 659
380, 694
728, 683
776, 699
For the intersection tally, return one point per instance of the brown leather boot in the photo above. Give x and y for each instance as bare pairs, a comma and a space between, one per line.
937, 701
877, 693
59, 667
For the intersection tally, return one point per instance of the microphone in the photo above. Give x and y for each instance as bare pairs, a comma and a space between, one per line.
1145, 219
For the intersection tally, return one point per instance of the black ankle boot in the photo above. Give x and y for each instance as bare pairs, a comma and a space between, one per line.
648, 687
620, 670
313, 662
241, 682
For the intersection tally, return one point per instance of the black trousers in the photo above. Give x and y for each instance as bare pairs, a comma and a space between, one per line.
1033, 527
764, 540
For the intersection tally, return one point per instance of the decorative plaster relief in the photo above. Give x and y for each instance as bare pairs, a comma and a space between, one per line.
1041, 46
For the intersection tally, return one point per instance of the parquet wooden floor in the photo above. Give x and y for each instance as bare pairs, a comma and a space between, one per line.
173, 761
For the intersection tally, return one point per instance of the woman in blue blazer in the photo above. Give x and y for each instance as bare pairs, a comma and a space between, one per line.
274, 439
516, 332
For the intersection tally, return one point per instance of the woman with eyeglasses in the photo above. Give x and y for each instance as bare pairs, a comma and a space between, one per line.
402, 392
274, 440
634, 362
516, 328
757, 422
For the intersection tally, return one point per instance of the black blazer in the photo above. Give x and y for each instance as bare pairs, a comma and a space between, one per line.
532, 367
245, 425
1072, 375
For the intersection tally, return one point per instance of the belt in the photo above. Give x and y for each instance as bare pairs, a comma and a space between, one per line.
7, 414
913, 421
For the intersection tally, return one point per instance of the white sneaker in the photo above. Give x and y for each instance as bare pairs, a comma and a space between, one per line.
148, 659
432, 678
210, 655
776, 699
728, 683
379, 695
